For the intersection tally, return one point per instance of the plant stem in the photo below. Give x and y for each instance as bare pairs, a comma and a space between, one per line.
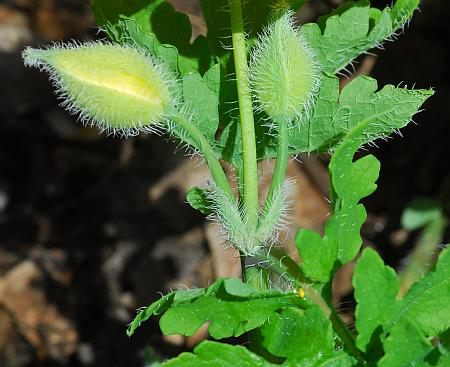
279, 173
250, 179
205, 148
250, 168
346, 335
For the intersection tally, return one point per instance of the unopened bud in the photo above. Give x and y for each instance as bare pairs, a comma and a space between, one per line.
119, 89
284, 73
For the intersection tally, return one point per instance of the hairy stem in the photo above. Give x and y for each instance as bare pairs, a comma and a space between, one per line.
279, 173
250, 168
205, 148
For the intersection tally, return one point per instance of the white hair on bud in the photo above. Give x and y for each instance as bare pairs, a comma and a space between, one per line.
284, 72
80, 102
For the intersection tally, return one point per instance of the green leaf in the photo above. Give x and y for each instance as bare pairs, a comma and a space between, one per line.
419, 212
318, 255
405, 346
402, 11
350, 181
149, 24
337, 359
334, 114
299, 335
427, 301
231, 307
376, 288
203, 102
444, 360
353, 29
212, 354
161, 306
199, 200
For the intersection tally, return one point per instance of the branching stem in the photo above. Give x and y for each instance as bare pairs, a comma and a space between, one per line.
250, 175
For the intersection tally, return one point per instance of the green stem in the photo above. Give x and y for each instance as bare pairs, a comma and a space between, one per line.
250, 174
346, 335
250, 168
244, 274
205, 148
279, 173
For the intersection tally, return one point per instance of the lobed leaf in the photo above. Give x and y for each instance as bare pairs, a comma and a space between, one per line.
208, 354
318, 254
405, 346
355, 28
299, 335
231, 307
335, 113
203, 102
350, 181
336, 359
427, 301
402, 12
376, 287
150, 24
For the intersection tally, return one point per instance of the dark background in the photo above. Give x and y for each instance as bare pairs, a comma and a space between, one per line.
92, 227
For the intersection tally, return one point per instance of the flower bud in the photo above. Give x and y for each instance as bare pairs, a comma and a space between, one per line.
120, 89
284, 73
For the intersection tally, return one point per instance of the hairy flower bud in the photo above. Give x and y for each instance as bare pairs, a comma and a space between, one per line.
119, 89
284, 73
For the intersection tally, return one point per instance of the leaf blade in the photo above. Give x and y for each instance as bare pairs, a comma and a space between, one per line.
231, 307
299, 335
209, 353
405, 346
387, 110
350, 181
353, 29
148, 24
376, 287
427, 301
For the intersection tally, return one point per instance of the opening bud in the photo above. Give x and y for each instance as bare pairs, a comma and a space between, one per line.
121, 90
284, 73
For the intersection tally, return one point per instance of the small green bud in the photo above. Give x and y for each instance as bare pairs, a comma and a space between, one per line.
122, 90
284, 73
